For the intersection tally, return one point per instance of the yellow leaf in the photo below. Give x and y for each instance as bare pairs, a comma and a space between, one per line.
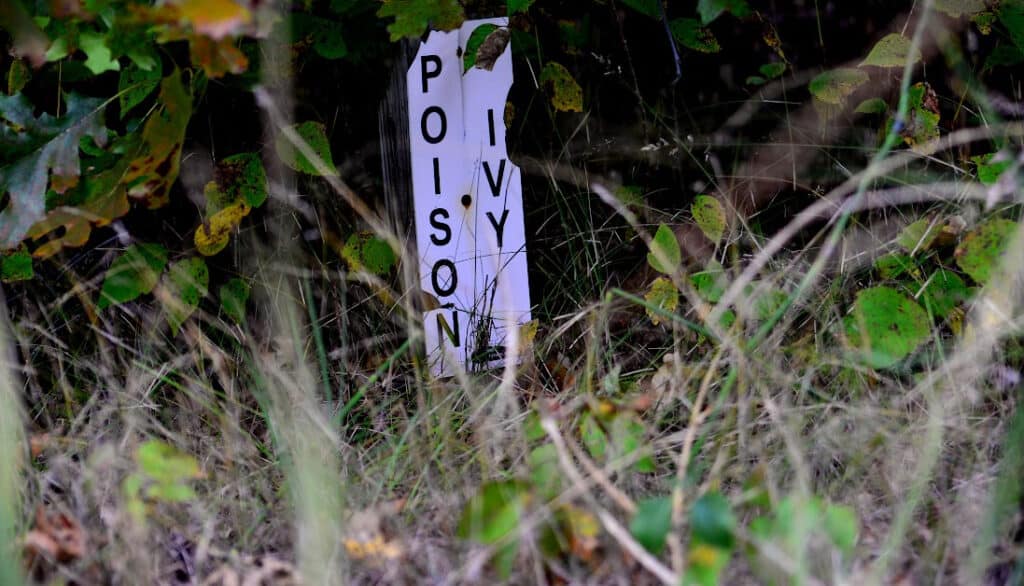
663, 295
215, 18
212, 236
566, 95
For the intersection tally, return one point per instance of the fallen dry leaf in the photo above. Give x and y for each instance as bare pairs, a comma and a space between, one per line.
56, 536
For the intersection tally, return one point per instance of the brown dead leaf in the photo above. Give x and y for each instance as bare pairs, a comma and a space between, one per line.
215, 19
56, 537
217, 57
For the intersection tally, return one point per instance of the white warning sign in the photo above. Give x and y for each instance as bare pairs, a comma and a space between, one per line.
468, 197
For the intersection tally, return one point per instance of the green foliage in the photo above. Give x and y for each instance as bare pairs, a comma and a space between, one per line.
919, 235
662, 295
893, 50
364, 251
665, 255
943, 291
980, 251
315, 135
652, 522
689, 33
712, 521
186, 283
885, 326
162, 475
476, 38
648, 7
709, 10
515, 6
893, 265
492, 517
835, 85
872, 106
16, 266
566, 94
710, 217
136, 84
39, 154
132, 274
323, 34
412, 17
234, 295
990, 167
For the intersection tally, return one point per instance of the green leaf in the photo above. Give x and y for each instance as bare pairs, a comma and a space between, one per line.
315, 136
958, 8
322, 33
923, 120
885, 326
872, 106
648, 7
100, 59
710, 217
919, 235
135, 85
841, 527
412, 17
705, 564
234, 295
768, 302
711, 282
594, 438
689, 33
186, 283
989, 170
712, 521
566, 94
651, 523
894, 264
38, 154
16, 266
515, 6
943, 291
241, 177
772, 70
545, 475
628, 435
663, 295
835, 85
476, 38
709, 10
18, 76
363, 250
1011, 14
893, 50
133, 273
665, 256
165, 464
979, 252
494, 513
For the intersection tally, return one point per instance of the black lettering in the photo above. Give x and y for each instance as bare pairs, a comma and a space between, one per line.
434, 222
437, 176
495, 183
446, 329
427, 74
490, 124
499, 227
423, 125
453, 278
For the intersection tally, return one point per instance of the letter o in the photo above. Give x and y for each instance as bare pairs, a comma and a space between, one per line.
423, 125
452, 282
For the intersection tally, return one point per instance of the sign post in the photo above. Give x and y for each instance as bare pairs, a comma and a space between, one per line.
467, 199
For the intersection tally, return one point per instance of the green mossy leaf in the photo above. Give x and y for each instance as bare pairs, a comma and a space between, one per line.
943, 292
710, 217
885, 326
981, 249
663, 295
835, 85
772, 70
16, 266
566, 94
919, 235
989, 170
894, 264
665, 256
872, 106
892, 50
494, 513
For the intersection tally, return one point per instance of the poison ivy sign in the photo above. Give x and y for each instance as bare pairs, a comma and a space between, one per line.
467, 196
